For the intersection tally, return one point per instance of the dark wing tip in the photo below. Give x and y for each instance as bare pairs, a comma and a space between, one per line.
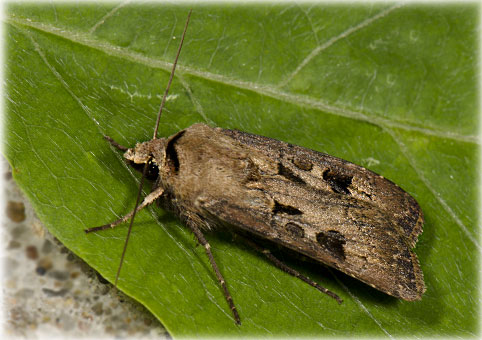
414, 288
417, 229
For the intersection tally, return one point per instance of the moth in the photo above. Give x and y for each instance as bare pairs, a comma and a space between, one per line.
328, 209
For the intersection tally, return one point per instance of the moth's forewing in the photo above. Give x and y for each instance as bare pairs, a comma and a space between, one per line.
319, 170
326, 208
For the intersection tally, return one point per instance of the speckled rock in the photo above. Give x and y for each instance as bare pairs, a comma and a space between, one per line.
50, 292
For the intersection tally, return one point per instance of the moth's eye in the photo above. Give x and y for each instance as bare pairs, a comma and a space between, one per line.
152, 170
136, 166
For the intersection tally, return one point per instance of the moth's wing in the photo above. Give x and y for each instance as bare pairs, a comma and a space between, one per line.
351, 235
339, 176
328, 209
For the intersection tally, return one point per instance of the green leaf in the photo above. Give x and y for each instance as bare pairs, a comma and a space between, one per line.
389, 87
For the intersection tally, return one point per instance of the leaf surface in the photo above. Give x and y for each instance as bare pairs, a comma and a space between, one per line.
389, 87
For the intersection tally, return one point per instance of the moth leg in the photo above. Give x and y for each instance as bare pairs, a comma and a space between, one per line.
200, 237
115, 144
289, 270
149, 199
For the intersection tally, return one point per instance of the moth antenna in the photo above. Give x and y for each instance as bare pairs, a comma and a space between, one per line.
139, 193
144, 171
172, 76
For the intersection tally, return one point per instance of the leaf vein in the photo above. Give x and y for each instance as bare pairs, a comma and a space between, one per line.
107, 16
270, 91
320, 48
436, 194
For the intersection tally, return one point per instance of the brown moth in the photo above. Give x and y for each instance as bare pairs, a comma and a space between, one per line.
323, 207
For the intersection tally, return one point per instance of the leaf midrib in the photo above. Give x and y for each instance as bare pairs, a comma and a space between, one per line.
84, 39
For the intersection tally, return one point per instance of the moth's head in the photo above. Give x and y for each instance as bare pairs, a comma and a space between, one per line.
147, 152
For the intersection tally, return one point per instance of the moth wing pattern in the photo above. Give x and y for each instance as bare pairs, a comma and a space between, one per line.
328, 209
358, 182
